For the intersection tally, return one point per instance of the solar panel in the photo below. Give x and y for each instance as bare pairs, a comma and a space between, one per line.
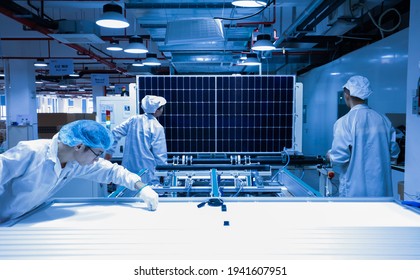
224, 113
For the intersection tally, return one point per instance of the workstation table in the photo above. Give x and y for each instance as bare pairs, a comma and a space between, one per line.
240, 228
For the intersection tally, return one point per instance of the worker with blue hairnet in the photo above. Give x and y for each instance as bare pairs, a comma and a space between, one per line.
145, 141
32, 171
364, 145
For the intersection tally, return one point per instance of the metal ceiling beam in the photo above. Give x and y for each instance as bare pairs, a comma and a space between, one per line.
201, 5
36, 23
309, 15
319, 14
24, 16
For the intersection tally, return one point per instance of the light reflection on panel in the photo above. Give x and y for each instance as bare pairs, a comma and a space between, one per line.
313, 229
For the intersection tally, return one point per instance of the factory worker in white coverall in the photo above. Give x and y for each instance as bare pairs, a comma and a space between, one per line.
364, 145
32, 171
145, 141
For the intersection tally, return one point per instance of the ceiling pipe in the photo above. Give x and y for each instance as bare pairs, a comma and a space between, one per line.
303, 17
16, 12
207, 5
239, 24
320, 13
182, 5
24, 16
26, 39
38, 9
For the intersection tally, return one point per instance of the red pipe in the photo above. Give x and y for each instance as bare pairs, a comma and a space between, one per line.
47, 31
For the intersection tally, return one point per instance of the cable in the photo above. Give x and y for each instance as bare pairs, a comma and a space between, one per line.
411, 196
379, 22
303, 173
238, 192
378, 25
275, 175
288, 158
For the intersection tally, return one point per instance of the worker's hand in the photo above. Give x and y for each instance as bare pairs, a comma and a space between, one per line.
328, 156
107, 156
150, 197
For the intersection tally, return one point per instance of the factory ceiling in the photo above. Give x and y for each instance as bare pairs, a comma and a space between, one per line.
192, 37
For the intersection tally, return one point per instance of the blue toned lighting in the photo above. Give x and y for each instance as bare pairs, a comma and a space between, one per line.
137, 63
40, 63
263, 43
135, 45
112, 17
249, 3
151, 60
251, 60
114, 45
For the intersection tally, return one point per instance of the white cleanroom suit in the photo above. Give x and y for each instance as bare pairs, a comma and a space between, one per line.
31, 172
363, 147
145, 140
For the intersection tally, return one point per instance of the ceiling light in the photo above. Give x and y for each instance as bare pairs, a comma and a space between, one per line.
251, 60
112, 17
263, 43
40, 63
243, 56
135, 45
74, 75
151, 60
137, 62
249, 3
114, 45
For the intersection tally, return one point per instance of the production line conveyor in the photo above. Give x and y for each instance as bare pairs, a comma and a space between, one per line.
224, 175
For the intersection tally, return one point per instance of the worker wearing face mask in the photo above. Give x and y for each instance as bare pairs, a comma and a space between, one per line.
364, 145
33, 171
145, 141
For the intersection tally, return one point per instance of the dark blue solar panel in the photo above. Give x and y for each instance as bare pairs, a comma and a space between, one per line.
224, 113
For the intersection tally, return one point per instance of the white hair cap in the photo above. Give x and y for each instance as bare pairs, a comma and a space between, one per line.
359, 86
150, 103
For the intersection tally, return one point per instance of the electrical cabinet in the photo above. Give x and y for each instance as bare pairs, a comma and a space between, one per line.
113, 110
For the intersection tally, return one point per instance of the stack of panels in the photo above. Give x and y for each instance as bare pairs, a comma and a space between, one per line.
224, 113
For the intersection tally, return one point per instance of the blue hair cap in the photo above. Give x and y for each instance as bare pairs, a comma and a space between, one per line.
87, 132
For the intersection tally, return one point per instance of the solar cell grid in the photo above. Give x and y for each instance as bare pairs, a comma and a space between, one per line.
224, 113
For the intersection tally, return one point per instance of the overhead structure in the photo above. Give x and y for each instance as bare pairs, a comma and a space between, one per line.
199, 37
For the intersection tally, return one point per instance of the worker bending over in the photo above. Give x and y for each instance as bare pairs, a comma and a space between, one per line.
33, 171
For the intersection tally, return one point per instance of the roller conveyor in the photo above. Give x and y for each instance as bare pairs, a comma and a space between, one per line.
216, 175
209, 166
248, 159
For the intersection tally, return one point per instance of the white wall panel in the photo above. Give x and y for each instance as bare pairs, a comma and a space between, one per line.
384, 63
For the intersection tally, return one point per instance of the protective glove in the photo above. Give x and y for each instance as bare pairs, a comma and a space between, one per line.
150, 197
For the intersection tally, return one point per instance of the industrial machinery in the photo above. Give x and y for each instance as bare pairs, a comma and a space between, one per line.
328, 182
232, 175
113, 110
227, 136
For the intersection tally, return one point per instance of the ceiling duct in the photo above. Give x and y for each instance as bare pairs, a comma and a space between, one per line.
78, 32
194, 31
340, 21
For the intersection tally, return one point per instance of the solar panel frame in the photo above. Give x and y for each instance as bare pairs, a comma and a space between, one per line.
224, 113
